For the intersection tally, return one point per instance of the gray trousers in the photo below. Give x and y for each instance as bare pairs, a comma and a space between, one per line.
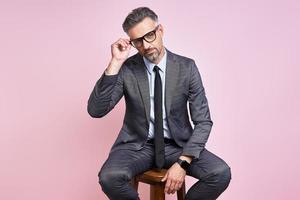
212, 172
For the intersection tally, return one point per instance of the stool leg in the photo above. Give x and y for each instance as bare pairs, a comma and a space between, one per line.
181, 192
157, 192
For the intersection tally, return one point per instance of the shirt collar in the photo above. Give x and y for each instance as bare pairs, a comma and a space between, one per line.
162, 64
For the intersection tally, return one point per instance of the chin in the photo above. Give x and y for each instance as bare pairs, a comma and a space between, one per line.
152, 58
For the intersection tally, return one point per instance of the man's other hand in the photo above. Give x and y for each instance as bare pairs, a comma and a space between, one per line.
174, 178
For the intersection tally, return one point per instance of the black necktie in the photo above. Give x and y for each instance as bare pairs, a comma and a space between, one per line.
158, 121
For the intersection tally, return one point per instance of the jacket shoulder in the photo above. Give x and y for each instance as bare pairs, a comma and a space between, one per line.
182, 60
133, 60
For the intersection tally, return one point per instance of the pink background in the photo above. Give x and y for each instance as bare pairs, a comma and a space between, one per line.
53, 52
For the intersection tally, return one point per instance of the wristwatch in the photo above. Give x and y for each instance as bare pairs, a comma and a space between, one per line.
183, 164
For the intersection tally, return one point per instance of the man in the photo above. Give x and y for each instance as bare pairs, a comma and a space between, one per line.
156, 131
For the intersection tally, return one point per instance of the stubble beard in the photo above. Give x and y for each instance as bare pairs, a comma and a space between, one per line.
153, 56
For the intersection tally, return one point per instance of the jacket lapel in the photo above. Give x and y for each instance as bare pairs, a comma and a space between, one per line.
143, 83
172, 72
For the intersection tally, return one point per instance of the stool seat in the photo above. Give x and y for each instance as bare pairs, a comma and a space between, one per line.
154, 177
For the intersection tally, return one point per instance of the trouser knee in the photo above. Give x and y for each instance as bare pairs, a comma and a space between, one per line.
222, 176
110, 181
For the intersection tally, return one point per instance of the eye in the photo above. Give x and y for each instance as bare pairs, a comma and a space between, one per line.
138, 40
150, 35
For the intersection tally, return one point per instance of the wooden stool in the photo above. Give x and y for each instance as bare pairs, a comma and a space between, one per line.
153, 177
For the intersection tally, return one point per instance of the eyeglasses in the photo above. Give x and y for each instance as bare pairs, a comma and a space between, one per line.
148, 37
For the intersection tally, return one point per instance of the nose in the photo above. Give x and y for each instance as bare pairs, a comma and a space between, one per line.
146, 44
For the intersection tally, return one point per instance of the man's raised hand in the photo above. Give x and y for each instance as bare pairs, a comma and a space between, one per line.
119, 51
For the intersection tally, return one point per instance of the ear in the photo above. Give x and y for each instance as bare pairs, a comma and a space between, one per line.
161, 28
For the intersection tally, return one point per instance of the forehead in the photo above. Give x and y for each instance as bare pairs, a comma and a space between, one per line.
142, 28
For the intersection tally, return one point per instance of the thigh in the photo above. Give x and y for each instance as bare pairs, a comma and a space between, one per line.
206, 165
129, 162
172, 153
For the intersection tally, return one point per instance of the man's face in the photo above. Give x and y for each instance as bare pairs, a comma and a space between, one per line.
154, 50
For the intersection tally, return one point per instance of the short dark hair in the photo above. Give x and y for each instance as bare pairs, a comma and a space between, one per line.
137, 15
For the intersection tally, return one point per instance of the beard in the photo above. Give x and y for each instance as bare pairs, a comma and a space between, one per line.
152, 54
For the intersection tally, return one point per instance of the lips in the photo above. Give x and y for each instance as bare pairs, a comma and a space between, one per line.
150, 51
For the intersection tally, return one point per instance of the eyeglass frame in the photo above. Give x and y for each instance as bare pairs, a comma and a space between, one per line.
143, 37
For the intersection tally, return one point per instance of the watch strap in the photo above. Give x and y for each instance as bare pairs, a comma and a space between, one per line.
183, 163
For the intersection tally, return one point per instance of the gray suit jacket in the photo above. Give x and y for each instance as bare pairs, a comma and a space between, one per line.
183, 84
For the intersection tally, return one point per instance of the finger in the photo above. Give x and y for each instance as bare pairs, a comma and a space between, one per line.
165, 177
173, 191
118, 41
178, 185
172, 187
127, 41
128, 47
122, 45
167, 186
116, 45
122, 40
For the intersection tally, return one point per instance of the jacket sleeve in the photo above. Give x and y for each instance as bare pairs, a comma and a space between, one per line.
106, 94
200, 115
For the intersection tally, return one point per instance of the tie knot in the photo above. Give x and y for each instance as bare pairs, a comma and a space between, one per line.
156, 68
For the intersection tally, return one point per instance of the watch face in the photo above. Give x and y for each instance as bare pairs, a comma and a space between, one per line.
185, 165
